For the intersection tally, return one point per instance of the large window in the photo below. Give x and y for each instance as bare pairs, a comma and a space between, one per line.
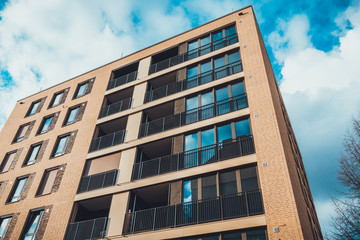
6, 163
72, 115
21, 133
81, 90
32, 155
45, 125
32, 225
18, 189
4, 224
47, 181
33, 108
61, 145
57, 99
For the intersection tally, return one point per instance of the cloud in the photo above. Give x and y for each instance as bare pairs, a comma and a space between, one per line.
321, 93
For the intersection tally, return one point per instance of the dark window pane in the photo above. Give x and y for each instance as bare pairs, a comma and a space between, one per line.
207, 137
204, 40
232, 236
206, 98
242, 128
205, 67
192, 72
219, 62
228, 183
192, 45
222, 94
216, 237
230, 31
249, 180
237, 89
217, 36
208, 187
256, 235
234, 57
224, 133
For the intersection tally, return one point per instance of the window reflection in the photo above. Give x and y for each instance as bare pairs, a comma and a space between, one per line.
242, 128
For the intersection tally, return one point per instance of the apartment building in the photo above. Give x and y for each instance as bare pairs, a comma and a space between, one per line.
186, 139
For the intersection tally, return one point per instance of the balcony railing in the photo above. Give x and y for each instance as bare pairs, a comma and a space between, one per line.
207, 210
194, 115
115, 107
194, 81
96, 181
109, 140
90, 229
229, 40
122, 80
231, 148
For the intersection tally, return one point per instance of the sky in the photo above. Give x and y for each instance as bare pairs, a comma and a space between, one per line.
314, 47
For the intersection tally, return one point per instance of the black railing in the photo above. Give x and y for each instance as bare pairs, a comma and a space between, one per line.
213, 209
122, 80
115, 107
109, 140
193, 115
229, 40
90, 229
194, 81
231, 148
96, 181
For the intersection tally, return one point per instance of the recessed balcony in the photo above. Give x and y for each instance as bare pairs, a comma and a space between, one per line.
123, 75
193, 81
117, 102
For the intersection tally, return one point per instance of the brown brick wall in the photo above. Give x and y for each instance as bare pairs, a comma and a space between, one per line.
71, 142
31, 126
53, 123
58, 178
81, 111
3, 185
11, 226
90, 86
42, 151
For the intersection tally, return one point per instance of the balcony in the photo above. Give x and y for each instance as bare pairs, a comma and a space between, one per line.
115, 107
174, 60
241, 146
97, 181
109, 134
123, 75
90, 229
214, 209
193, 115
194, 81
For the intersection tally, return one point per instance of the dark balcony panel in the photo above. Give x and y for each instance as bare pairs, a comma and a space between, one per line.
122, 80
91, 229
107, 140
232, 148
206, 210
160, 62
192, 82
193, 115
96, 181
115, 108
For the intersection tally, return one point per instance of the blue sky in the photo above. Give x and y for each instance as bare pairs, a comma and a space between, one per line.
313, 46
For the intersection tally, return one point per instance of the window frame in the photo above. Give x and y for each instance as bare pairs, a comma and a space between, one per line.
29, 154
15, 188
51, 105
32, 217
30, 110
5, 160
2, 236
55, 153
19, 131
76, 95
47, 171
66, 122
42, 125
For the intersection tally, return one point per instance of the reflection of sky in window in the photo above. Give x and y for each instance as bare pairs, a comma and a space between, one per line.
230, 31
224, 132
191, 103
234, 57
73, 115
207, 137
206, 98
219, 62
187, 191
47, 124
242, 128
192, 45
237, 89
222, 94
34, 108
205, 67
82, 89
34, 153
5, 222
62, 145
57, 99
192, 72
191, 142
217, 36
205, 40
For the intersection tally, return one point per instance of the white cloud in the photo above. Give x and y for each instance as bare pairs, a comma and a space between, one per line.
43, 42
321, 93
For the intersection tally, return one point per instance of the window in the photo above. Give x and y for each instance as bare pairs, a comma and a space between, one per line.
228, 183
4, 224
6, 164
256, 235
57, 99
61, 145
21, 133
242, 128
17, 189
34, 107
32, 155
81, 89
232, 236
46, 125
32, 225
47, 181
72, 115
249, 180
208, 187
190, 190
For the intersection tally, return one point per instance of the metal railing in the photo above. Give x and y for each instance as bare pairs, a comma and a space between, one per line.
90, 229
115, 107
210, 47
96, 181
194, 81
109, 140
231, 148
194, 115
224, 207
122, 80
